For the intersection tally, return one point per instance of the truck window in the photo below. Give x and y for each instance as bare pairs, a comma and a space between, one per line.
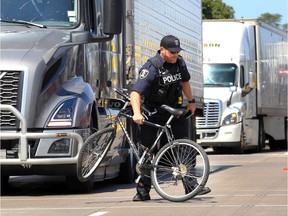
219, 74
45, 12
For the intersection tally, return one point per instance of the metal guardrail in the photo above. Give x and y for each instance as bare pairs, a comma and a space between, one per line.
23, 135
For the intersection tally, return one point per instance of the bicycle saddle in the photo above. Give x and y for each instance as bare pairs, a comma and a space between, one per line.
180, 112
173, 111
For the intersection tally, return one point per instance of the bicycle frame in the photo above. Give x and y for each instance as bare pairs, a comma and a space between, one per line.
163, 129
174, 172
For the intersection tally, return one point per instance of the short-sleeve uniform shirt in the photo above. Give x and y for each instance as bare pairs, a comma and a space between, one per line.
148, 74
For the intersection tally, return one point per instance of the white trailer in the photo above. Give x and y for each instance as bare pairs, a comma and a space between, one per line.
245, 85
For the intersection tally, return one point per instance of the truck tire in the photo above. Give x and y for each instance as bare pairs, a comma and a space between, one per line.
272, 143
217, 149
127, 172
4, 184
282, 144
240, 148
261, 136
79, 187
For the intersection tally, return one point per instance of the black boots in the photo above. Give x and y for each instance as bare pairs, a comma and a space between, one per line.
205, 190
141, 197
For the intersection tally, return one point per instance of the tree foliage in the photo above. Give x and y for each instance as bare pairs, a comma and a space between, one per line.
273, 19
216, 9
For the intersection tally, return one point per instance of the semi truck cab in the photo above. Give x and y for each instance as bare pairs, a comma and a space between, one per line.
243, 90
57, 60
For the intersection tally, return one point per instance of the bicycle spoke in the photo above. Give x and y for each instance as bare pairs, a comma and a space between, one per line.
176, 175
93, 151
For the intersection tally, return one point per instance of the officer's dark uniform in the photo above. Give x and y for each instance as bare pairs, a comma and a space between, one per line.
159, 83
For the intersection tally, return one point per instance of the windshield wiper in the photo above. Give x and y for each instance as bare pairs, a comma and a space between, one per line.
24, 22
215, 84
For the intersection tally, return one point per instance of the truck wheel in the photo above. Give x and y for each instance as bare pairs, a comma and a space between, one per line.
272, 143
127, 171
218, 149
79, 187
282, 144
240, 148
4, 184
261, 136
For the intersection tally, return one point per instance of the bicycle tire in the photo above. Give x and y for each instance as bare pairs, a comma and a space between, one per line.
176, 176
93, 151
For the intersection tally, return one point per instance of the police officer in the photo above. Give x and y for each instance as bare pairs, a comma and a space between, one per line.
162, 80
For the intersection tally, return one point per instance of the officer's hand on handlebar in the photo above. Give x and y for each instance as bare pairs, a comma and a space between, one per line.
191, 107
138, 119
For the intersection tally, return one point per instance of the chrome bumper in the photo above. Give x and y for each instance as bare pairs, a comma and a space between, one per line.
23, 152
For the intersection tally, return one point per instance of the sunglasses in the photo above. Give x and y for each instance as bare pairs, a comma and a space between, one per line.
173, 52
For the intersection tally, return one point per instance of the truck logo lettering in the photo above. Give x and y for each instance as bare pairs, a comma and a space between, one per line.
113, 104
2, 74
211, 45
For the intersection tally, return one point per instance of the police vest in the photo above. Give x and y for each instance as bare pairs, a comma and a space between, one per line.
166, 88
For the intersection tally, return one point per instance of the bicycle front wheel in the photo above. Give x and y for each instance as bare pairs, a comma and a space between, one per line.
93, 151
180, 170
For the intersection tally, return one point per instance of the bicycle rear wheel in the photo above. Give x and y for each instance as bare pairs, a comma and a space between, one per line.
180, 170
93, 151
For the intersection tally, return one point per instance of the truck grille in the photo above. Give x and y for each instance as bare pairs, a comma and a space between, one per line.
9, 94
212, 111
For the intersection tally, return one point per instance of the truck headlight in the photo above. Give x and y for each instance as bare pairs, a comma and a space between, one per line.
230, 119
63, 116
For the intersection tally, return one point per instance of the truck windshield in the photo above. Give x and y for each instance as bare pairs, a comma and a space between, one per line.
219, 74
60, 13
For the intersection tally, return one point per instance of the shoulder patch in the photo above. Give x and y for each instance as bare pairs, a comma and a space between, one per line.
143, 73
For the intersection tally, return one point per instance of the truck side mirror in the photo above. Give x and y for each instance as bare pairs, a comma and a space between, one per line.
113, 16
233, 88
252, 79
250, 85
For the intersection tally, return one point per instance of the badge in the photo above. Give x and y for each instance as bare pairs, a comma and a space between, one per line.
143, 73
177, 43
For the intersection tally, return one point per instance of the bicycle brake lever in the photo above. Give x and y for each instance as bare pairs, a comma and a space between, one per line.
152, 113
186, 114
145, 116
149, 113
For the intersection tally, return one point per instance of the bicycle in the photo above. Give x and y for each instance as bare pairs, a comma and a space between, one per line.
178, 171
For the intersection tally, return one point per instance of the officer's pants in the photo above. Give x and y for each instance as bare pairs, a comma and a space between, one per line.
148, 135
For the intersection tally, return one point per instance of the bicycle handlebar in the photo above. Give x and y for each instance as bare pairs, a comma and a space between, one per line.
127, 98
121, 92
180, 113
